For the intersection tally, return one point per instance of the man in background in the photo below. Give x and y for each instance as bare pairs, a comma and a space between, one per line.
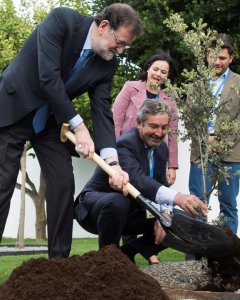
229, 107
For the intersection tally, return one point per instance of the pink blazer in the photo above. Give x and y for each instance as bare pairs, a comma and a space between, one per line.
125, 108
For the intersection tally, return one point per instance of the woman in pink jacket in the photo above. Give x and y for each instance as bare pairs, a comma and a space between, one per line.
155, 71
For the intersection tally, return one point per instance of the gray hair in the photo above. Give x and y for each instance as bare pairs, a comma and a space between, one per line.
152, 107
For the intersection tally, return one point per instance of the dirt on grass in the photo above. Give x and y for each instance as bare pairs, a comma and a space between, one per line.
104, 274
108, 274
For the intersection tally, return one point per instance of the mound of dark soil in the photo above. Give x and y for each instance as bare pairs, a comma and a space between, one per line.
104, 274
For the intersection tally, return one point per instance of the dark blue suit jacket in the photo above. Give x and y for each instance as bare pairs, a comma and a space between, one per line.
37, 74
133, 159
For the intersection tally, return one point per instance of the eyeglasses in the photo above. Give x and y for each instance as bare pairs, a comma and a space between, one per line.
118, 42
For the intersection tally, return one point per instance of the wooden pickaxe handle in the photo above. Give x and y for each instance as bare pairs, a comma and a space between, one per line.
65, 133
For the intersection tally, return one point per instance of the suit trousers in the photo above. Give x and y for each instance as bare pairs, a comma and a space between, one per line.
227, 192
56, 165
113, 215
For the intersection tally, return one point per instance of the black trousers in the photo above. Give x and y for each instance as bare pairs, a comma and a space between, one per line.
56, 165
113, 215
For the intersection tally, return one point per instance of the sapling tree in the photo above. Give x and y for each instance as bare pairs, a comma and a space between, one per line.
196, 102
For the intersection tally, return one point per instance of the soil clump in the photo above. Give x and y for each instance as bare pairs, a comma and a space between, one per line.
225, 271
213, 275
103, 274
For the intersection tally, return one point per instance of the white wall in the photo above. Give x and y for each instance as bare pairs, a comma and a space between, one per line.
83, 170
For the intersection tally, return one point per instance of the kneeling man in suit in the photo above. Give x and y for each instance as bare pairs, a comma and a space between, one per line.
143, 155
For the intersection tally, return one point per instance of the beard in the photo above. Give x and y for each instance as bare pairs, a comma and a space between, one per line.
106, 55
100, 47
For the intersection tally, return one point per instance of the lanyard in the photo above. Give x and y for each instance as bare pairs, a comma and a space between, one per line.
222, 83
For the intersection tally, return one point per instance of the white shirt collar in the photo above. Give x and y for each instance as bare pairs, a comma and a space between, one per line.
88, 41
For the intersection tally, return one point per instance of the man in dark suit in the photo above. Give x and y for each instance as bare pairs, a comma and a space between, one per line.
144, 155
36, 90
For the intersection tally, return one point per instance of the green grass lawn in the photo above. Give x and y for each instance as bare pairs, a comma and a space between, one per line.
79, 247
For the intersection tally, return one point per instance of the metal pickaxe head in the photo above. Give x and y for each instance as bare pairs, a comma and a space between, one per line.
66, 134
64, 130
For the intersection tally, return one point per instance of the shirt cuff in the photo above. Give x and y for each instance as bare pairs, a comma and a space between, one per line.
75, 121
108, 152
165, 197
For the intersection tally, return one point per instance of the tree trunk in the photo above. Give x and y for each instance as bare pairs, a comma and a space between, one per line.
41, 220
20, 236
204, 166
38, 198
